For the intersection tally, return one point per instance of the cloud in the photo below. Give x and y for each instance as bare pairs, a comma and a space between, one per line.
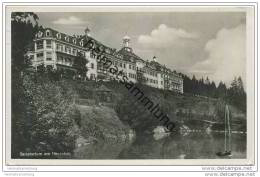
165, 36
175, 47
71, 20
226, 56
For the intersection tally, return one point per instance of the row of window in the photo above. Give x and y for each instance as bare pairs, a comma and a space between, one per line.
58, 35
48, 55
39, 55
65, 60
132, 67
73, 51
69, 50
39, 44
119, 64
152, 81
152, 73
132, 75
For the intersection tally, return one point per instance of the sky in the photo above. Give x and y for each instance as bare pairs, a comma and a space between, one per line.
204, 44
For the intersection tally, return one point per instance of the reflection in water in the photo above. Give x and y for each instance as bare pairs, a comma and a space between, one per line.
192, 146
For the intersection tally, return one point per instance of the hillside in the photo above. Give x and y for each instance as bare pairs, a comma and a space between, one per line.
182, 109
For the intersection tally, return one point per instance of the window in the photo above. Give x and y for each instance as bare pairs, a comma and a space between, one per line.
47, 33
39, 44
81, 43
59, 47
129, 66
67, 38
74, 51
120, 64
48, 56
67, 49
39, 55
48, 43
92, 65
58, 35
124, 65
74, 41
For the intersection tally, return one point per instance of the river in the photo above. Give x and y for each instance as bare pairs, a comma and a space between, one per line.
191, 146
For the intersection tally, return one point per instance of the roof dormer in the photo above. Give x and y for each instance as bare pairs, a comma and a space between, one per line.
47, 33
58, 35
67, 38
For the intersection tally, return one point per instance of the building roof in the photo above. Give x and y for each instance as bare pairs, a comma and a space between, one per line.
74, 40
130, 56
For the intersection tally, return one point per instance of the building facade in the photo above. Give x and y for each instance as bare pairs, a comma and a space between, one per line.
59, 51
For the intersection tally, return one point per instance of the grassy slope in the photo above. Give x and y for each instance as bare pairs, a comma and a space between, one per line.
179, 108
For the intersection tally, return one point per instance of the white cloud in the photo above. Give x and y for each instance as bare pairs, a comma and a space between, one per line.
72, 20
165, 36
174, 47
227, 55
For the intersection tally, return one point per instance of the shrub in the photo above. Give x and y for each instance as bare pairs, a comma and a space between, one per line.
50, 114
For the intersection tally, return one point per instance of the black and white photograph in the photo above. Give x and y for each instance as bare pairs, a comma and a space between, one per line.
133, 84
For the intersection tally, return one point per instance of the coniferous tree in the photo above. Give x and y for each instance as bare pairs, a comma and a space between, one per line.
23, 29
236, 94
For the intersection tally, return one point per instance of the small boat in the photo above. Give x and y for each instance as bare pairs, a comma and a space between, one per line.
227, 151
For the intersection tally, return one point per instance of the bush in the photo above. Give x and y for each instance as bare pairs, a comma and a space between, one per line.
50, 114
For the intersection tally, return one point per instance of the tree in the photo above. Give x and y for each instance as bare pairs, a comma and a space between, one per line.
236, 94
221, 90
23, 29
80, 63
52, 115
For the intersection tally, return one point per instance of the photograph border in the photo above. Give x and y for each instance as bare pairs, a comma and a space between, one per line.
255, 5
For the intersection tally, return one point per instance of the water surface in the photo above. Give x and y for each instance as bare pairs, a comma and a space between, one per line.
191, 146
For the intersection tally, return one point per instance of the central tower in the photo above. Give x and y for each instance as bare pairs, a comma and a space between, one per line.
126, 42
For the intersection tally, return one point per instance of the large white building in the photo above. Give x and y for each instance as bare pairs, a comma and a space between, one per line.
58, 50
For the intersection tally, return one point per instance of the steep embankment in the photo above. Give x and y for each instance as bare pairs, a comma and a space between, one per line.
192, 111
102, 123
184, 109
